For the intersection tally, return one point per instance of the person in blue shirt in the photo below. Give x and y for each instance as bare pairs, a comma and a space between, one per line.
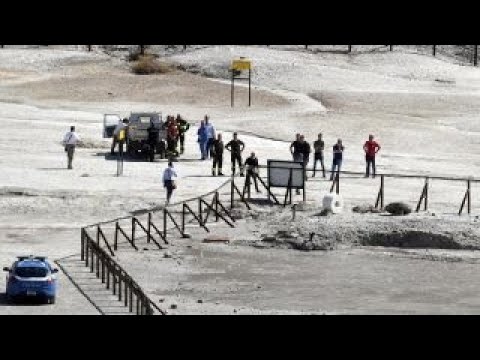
211, 135
338, 149
203, 139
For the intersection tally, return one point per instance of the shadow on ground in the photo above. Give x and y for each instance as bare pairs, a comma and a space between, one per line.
24, 302
139, 158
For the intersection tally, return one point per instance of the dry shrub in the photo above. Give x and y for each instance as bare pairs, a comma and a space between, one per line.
149, 65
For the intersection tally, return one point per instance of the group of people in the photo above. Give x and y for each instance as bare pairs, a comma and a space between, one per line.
301, 150
212, 146
176, 130
236, 148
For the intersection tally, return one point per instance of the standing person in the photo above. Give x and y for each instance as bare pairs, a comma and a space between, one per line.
306, 149
252, 170
338, 149
319, 147
153, 138
371, 149
172, 136
210, 135
236, 147
119, 137
202, 140
217, 152
70, 141
183, 127
169, 182
296, 149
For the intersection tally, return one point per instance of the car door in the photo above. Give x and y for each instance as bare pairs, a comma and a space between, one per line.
110, 122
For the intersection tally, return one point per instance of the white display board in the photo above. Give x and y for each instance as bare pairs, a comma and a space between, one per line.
279, 174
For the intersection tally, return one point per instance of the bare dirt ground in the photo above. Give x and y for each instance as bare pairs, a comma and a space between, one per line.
422, 110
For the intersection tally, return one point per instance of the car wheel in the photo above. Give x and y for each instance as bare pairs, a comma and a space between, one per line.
51, 300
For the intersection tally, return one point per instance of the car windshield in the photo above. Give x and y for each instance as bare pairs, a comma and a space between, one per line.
144, 119
31, 272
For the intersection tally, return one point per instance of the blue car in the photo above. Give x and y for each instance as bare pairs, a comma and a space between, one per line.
31, 277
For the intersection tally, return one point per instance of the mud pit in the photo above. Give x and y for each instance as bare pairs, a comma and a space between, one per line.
310, 231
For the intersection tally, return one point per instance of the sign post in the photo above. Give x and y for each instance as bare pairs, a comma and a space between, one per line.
288, 175
237, 67
121, 140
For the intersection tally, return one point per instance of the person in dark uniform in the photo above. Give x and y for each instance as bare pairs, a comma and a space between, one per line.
236, 147
338, 149
183, 127
153, 137
251, 165
296, 149
217, 152
306, 150
319, 147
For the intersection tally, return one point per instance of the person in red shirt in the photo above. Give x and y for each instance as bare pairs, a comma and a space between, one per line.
172, 136
371, 149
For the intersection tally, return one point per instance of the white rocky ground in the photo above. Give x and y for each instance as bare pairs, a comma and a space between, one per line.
423, 111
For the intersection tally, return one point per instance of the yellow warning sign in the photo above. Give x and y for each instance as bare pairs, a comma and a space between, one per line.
241, 64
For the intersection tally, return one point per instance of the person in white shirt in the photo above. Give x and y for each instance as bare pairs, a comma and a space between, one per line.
168, 182
122, 125
70, 141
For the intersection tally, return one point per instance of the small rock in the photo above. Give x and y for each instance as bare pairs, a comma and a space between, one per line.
173, 306
167, 255
235, 311
364, 209
216, 239
325, 212
398, 208
269, 239
433, 214
259, 287
161, 300
200, 301
85, 175
145, 249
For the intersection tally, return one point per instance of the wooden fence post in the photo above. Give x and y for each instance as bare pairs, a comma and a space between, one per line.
469, 198
164, 224
217, 218
115, 239
380, 195
82, 244
149, 233
232, 189
426, 195
423, 197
